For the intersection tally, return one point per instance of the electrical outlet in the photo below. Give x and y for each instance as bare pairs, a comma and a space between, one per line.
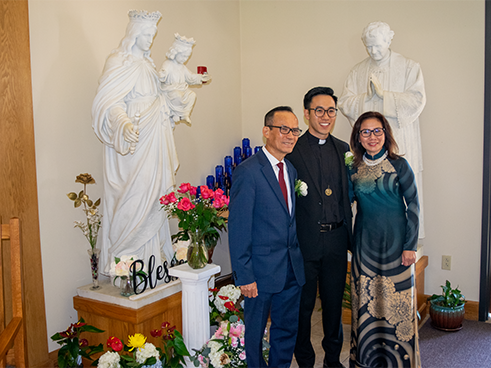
446, 262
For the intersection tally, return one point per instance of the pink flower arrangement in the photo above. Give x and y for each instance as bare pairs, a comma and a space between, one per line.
197, 209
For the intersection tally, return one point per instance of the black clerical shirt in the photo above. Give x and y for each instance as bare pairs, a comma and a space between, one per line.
330, 179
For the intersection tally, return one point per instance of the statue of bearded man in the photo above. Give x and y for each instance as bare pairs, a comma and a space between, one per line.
132, 119
393, 85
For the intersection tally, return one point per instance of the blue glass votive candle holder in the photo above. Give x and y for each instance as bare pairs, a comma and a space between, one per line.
219, 175
248, 152
237, 155
228, 161
210, 182
245, 143
256, 149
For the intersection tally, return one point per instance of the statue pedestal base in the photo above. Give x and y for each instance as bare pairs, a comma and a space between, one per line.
121, 316
195, 303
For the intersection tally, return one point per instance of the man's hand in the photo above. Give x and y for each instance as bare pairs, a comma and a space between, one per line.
129, 134
249, 290
408, 257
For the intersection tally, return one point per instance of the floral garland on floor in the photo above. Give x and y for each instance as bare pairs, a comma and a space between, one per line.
138, 353
226, 348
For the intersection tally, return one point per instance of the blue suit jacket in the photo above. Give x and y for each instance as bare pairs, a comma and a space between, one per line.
262, 233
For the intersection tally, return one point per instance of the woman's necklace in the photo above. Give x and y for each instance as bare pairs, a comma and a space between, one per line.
369, 162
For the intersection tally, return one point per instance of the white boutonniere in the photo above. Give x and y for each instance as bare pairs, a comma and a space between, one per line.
348, 159
301, 188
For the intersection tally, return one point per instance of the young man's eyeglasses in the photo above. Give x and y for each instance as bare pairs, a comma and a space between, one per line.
319, 112
377, 132
285, 130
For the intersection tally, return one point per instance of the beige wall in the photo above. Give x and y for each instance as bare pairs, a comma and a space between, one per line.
290, 46
260, 54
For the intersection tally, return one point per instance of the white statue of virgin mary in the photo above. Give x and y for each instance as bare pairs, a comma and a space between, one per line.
132, 119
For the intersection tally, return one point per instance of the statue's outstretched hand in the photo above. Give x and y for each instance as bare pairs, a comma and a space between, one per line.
205, 78
129, 134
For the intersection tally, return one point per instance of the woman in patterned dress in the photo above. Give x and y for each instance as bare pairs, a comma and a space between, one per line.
384, 324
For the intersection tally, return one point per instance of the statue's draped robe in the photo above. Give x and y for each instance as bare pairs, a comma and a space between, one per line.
403, 101
133, 223
176, 79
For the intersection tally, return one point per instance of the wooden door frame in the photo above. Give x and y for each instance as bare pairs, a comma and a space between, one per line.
485, 278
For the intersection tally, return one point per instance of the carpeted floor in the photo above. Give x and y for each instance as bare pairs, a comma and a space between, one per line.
467, 348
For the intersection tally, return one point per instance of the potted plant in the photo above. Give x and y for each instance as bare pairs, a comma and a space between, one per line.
447, 310
73, 348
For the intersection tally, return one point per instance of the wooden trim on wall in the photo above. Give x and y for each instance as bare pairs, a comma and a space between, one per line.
18, 187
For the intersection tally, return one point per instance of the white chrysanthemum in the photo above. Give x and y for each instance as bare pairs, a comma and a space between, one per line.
147, 351
231, 292
401, 307
215, 354
109, 359
382, 287
405, 330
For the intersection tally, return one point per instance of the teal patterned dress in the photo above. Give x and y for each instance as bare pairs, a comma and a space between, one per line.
384, 324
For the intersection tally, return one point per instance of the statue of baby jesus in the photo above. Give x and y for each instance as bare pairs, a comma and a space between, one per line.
175, 79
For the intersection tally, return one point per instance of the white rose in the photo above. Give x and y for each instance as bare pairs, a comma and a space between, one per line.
304, 188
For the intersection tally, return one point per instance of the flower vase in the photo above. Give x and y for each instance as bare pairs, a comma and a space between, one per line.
94, 265
126, 286
210, 254
197, 252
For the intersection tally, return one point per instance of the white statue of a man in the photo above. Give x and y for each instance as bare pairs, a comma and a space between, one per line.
393, 85
132, 119
176, 78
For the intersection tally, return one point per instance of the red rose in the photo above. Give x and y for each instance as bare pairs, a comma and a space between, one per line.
185, 204
218, 203
192, 190
206, 192
184, 188
115, 343
171, 197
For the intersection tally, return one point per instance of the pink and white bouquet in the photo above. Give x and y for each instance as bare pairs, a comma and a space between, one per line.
226, 348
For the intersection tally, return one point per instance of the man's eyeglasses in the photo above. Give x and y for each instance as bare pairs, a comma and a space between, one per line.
377, 132
319, 112
285, 130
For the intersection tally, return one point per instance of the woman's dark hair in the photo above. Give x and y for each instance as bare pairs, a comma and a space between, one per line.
389, 144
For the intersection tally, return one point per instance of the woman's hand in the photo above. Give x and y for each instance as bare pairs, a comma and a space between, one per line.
408, 257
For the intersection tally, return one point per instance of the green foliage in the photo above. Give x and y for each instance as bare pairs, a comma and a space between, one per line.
347, 294
203, 217
449, 298
174, 352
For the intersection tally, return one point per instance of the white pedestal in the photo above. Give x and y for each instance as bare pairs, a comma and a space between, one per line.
195, 306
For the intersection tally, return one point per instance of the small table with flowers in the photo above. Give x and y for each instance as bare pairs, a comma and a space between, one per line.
121, 316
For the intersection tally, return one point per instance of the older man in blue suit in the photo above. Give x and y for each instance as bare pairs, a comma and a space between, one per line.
266, 259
